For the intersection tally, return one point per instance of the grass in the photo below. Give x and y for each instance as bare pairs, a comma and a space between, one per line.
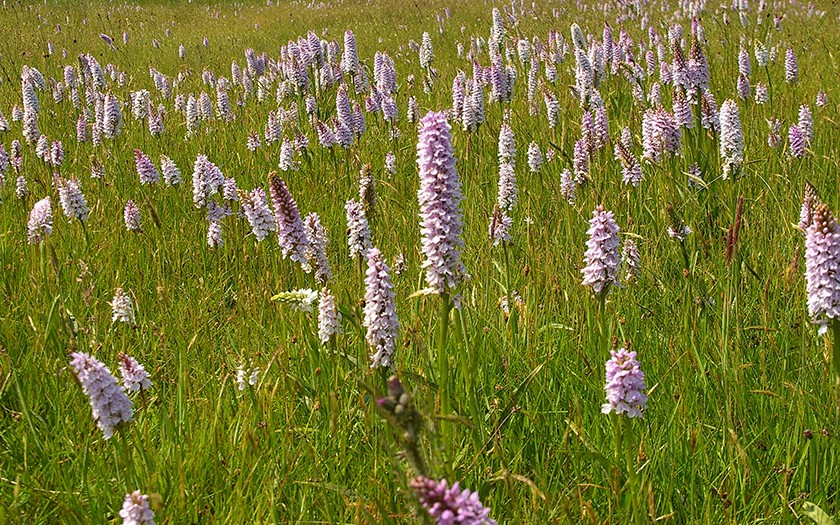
741, 425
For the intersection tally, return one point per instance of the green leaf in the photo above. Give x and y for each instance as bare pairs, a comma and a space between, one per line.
422, 293
817, 514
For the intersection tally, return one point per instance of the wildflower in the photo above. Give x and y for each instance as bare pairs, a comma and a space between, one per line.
426, 52
731, 139
625, 385
42, 148
134, 376
535, 158
16, 155
389, 109
398, 406
222, 102
450, 505
205, 107
358, 125
440, 198
367, 191
580, 161
806, 123
122, 308
631, 259
171, 173
140, 104
56, 153
112, 116
709, 112
72, 199
192, 115
272, 129
791, 67
762, 57
30, 98
301, 142
508, 192
391, 163
660, 135
4, 165
380, 310
343, 108
515, 298
316, 252
822, 268
682, 110
797, 141
350, 58
601, 127
507, 145
21, 188
248, 376
761, 93
207, 178
744, 65
584, 77
326, 136
30, 125
679, 69
214, 234
256, 210
287, 156
291, 234
602, 255
145, 168
476, 105
806, 212
774, 138
568, 186
81, 129
131, 215
110, 405
677, 229
302, 300
694, 177
136, 511
254, 142
413, 109
743, 87
108, 40
358, 231
822, 99
40, 221
500, 226
329, 318
631, 170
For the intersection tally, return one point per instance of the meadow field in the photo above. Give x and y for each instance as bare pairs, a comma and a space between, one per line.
318, 262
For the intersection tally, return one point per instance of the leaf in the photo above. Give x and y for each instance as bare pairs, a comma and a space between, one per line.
817, 514
423, 292
554, 326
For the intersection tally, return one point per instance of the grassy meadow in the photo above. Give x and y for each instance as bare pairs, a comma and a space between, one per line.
742, 423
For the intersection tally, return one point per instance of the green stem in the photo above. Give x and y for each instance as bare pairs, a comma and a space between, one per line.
87, 239
769, 87
835, 328
510, 305
602, 332
629, 447
617, 459
442, 357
